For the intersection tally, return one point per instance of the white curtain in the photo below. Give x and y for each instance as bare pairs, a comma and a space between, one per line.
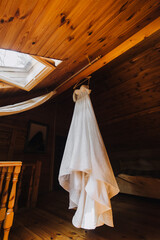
26, 105
85, 170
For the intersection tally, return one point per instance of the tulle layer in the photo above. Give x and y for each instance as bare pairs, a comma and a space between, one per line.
85, 171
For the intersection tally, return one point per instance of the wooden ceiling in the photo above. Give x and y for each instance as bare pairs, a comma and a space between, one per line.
72, 30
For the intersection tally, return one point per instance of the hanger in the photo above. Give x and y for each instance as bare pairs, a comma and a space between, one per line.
87, 78
80, 82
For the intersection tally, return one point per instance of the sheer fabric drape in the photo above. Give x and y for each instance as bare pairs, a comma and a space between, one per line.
25, 105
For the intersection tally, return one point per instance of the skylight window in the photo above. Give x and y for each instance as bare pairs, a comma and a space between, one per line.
23, 70
14, 59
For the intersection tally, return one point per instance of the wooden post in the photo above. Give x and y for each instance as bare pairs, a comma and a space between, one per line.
19, 188
2, 174
53, 125
10, 214
36, 184
31, 186
5, 195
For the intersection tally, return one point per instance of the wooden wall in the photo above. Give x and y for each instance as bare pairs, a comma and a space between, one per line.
126, 99
13, 132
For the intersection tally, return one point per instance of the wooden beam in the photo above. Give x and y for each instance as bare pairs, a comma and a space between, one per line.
53, 129
139, 185
135, 39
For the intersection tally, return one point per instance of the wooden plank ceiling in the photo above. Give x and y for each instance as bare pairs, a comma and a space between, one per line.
69, 30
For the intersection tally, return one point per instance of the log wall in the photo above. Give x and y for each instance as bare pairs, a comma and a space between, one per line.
126, 99
13, 133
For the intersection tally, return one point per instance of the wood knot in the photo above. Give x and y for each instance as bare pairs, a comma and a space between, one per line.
101, 39
10, 19
89, 33
131, 16
68, 21
24, 16
123, 7
73, 233
70, 38
72, 27
63, 19
90, 25
17, 13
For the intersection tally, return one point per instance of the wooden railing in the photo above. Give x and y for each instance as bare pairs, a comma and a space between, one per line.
9, 172
32, 190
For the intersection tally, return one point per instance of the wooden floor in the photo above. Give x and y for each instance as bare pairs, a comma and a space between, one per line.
135, 218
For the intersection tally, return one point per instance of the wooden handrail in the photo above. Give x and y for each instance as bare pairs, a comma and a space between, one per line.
10, 163
8, 180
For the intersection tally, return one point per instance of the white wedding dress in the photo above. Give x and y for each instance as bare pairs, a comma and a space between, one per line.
85, 170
